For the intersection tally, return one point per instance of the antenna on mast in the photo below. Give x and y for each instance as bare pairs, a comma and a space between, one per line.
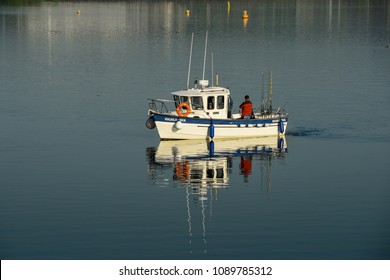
270, 92
262, 93
205, 51
189, 63
212, 69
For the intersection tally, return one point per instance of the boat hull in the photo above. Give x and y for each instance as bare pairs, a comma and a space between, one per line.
173, 127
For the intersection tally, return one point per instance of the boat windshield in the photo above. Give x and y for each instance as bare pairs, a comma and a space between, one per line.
197, 103
210, 102
180, 99
221, 102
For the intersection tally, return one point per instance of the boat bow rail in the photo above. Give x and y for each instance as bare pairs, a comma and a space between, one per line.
160, 106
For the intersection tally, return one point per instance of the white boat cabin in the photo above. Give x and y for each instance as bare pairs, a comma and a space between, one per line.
205, 101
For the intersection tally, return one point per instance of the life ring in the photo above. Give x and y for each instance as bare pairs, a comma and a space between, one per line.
182, 171
183, 106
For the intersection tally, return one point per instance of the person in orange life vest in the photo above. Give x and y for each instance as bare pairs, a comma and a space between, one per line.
246, 108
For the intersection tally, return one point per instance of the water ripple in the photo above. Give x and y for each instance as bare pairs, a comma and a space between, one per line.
303, 131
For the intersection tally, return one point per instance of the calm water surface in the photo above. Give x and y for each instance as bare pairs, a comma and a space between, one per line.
82, 178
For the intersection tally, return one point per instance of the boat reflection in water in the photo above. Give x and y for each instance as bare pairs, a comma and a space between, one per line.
203, 168
202, 165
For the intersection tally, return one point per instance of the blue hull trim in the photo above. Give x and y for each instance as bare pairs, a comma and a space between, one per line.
236, 122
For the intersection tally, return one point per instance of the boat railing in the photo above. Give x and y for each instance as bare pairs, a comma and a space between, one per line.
160, 105
164, 106
263, 114
267, 112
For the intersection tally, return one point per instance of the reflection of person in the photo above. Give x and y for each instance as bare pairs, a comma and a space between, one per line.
246, 108
246, 167
182, 171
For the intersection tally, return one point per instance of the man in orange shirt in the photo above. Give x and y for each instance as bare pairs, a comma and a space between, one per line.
246, 108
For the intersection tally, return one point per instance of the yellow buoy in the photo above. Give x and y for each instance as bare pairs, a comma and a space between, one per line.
245, 14
188, 12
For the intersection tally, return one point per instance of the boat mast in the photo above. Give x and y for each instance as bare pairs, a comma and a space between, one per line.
270, 92
205, 51
189, 63
212, 69
262, 104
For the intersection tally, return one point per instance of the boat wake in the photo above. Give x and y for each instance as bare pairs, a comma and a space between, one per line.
303, 131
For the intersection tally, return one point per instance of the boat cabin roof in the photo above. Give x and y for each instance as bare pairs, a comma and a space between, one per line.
202, 88
202, 91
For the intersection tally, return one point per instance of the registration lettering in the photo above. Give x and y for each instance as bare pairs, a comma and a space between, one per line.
174, 119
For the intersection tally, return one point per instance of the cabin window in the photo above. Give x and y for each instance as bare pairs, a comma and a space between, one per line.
196, 174
177, 100
210, 173
219, 172
180, 99
210, 103
197, 103
220, 102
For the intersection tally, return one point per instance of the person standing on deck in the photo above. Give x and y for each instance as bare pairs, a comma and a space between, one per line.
246, 108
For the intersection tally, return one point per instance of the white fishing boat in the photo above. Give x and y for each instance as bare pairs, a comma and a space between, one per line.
206, 112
